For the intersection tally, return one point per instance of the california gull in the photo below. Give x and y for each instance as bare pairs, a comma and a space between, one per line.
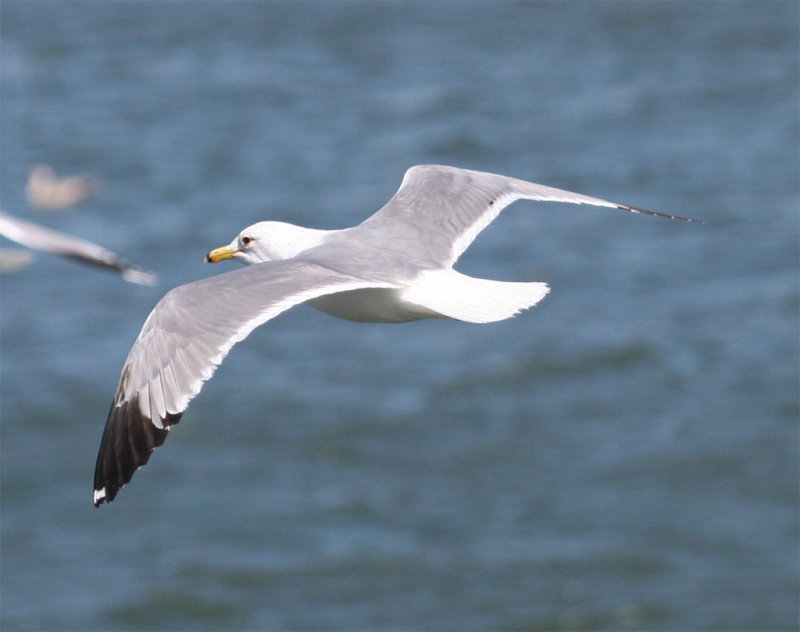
394, 267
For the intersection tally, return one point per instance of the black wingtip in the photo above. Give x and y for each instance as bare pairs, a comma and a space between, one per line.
636, 209
128, 440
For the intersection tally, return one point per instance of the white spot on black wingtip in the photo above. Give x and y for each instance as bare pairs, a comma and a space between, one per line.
129, 438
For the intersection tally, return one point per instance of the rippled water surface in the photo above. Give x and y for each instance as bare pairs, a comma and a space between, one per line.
623, 456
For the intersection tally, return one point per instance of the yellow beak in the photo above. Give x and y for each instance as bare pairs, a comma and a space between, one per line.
220, 254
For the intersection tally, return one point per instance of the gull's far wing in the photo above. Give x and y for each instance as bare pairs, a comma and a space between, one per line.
182, 342
442, 209
47, 240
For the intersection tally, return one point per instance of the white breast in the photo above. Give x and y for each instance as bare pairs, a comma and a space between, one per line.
373, 305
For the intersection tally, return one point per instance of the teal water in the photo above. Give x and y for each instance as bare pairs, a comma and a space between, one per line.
623, 456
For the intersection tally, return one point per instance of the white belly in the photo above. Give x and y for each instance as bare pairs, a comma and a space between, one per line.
373, 305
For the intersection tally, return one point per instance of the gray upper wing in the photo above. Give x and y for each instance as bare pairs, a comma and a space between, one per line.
182, 342
440, 210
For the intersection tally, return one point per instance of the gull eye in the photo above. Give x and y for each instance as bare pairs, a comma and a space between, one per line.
246, 240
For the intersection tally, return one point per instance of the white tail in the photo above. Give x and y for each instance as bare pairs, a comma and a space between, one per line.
458, 296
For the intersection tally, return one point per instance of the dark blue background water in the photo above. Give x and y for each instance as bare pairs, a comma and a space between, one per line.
623, 456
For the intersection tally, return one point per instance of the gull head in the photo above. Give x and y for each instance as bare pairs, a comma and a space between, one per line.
267, 241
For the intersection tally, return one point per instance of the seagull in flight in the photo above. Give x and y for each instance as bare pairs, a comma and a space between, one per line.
394, 267
47, 192
54, 242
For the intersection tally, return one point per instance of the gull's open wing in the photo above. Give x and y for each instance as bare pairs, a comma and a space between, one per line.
48, 240
445, 208
182, 342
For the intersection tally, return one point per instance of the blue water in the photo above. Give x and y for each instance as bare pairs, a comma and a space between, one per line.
623, 456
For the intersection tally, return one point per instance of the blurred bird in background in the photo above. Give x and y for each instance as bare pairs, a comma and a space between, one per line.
47, 192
